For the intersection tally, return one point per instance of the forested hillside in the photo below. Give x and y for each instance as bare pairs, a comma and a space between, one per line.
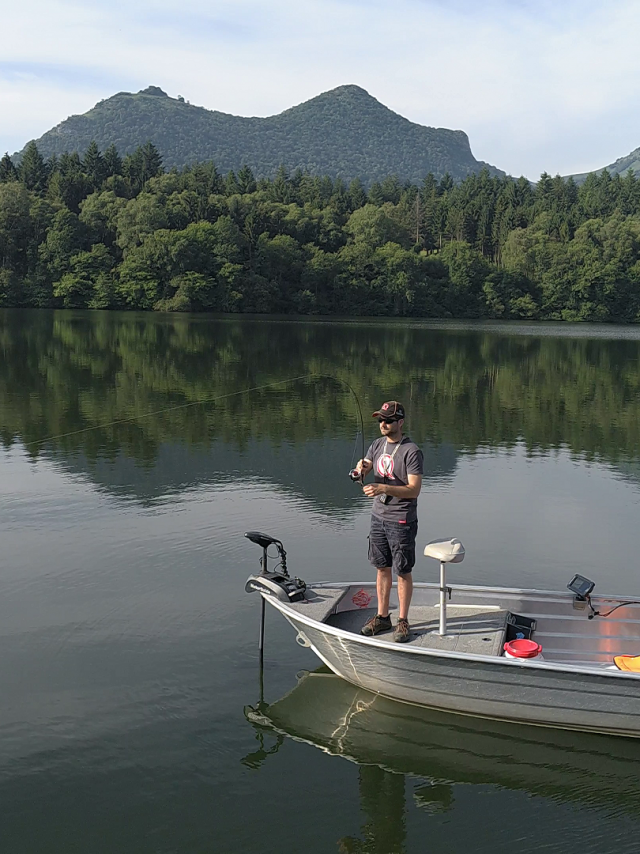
621, 166
345, 133
106, 232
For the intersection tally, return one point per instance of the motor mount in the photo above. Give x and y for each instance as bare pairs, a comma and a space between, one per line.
275, 584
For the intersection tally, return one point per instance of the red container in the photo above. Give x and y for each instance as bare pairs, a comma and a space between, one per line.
522, 648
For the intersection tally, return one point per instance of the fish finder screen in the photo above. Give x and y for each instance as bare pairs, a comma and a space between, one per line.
581, 586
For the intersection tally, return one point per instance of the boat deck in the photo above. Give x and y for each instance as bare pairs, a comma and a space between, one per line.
476, 620
475, 630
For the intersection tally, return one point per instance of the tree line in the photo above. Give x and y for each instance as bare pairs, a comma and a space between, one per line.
109, 232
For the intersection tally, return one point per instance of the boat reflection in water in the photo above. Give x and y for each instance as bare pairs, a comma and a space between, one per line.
390, 740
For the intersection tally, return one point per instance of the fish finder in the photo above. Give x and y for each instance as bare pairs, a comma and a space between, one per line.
581, 587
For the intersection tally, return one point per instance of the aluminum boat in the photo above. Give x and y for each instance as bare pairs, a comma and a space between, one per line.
455, 661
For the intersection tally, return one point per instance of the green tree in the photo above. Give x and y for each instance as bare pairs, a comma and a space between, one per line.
94, 166
112, 162
68, 184
99, 212
8, 171
468, 271
357, 195
246, 180
33, 171
64, 239
231, 184
89, 282
139, 218
376, 226
142, 165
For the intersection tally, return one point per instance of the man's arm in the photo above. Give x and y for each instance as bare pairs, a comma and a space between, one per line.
411, 490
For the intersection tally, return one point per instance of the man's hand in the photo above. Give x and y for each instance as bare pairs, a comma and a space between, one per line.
373, 489
363, 467
411, 490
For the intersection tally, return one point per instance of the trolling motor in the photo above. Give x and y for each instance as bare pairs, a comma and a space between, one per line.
278, 584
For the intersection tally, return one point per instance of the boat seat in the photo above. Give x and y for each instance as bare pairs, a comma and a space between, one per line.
446, 551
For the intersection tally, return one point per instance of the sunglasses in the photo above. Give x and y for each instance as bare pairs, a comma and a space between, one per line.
387, 420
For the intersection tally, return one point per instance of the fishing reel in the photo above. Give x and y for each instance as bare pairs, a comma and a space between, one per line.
355, 475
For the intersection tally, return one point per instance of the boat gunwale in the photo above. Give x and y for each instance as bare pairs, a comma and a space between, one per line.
560, 595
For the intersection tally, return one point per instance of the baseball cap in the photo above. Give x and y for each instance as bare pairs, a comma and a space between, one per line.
390, 409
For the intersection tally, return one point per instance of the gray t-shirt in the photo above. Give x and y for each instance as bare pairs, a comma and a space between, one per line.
392, 463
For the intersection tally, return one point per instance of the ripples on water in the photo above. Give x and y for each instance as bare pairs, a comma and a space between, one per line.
129, 647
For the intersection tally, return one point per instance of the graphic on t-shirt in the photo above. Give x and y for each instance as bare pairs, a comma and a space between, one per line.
385, 465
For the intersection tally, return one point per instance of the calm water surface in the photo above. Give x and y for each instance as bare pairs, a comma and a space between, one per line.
130, 468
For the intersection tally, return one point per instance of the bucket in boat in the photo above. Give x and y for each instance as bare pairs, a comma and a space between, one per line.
523, 649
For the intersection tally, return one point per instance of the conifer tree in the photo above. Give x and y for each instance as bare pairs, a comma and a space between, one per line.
446, 183
151, 161
231, 185
8, 171
280, 188
246, 180
112, 162
94, 166
33, 171
376, 196
357, 194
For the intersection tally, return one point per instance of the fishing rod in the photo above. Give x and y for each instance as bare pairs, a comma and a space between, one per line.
115, 422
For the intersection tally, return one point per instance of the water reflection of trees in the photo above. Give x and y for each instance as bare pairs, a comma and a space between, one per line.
63, 372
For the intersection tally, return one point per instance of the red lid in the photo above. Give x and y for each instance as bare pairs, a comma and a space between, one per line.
523, 648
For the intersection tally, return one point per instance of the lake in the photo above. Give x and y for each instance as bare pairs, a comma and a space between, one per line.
137, 449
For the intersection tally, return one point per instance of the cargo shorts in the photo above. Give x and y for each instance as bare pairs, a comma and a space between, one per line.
393, 544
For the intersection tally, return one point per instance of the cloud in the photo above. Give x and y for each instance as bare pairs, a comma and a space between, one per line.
536, 85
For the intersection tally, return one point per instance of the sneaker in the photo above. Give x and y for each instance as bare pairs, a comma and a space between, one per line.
401, 632
376, 625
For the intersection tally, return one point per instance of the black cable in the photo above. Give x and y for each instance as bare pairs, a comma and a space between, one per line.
595, 613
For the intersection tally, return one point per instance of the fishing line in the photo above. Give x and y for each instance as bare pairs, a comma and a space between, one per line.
205, 401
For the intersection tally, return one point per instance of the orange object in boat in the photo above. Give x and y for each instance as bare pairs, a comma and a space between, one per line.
630, 663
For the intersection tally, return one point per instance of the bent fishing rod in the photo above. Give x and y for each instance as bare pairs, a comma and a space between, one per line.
353, 473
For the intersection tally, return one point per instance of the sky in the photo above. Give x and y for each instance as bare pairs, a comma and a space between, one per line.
537, 85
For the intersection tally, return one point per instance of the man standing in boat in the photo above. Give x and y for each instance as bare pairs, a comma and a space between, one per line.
397, 464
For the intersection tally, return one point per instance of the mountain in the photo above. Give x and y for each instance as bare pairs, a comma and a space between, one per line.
344, 133
620, 167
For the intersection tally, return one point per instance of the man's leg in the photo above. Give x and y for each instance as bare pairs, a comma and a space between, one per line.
402, 539
405, 591
380, 557
383, 589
